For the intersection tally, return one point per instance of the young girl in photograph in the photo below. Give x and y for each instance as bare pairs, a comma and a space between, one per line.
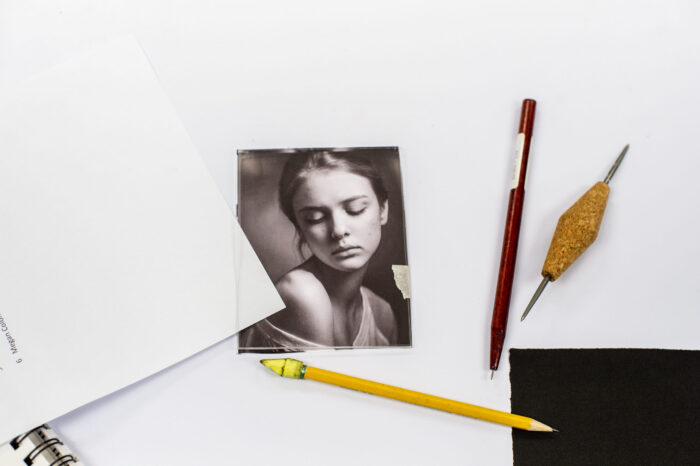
338, 204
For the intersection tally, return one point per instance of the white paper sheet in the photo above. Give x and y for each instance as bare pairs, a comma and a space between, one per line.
117, 251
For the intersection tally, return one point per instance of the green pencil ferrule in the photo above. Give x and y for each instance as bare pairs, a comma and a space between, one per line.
302, 372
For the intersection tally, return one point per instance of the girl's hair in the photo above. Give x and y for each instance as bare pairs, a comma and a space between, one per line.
300, 165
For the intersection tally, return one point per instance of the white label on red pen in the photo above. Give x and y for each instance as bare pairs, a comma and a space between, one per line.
519, 144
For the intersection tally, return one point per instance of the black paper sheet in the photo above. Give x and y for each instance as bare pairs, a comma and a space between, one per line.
612, 406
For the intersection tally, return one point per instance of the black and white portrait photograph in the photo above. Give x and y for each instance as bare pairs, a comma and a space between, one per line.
328, 226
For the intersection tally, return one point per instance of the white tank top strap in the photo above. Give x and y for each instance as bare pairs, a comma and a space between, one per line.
368, 333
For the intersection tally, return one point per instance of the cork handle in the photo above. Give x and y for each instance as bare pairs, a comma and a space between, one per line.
576, 230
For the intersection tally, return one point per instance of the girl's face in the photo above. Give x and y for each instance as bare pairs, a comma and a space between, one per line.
339, 217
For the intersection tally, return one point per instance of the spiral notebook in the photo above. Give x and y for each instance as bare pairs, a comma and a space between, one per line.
38, 447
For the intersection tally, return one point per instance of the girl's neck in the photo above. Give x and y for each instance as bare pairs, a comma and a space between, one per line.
343, 290
343, 287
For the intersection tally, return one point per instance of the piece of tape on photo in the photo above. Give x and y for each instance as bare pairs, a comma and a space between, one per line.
402, 279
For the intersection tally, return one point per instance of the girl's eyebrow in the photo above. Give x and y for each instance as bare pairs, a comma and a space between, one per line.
354, 198
345, 201
310, 207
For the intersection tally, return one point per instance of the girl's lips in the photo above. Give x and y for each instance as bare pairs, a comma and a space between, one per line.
345, 250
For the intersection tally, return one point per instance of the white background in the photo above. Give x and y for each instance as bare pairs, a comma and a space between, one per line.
443, 81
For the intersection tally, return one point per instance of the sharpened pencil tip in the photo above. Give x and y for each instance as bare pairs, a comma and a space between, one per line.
537, 426
492, 372
555, 430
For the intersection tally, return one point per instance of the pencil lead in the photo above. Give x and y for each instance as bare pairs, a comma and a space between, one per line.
492, 372
555, 430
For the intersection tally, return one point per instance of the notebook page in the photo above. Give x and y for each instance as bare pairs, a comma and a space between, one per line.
117, 248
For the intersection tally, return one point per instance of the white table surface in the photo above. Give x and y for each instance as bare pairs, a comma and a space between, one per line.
443, 81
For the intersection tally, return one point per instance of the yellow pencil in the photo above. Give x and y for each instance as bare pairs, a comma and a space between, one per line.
297, 370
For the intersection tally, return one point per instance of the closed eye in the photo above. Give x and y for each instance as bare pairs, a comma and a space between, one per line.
356, 211
314, 217
356, 206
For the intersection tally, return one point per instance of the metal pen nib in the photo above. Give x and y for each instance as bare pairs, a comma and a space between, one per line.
537, 294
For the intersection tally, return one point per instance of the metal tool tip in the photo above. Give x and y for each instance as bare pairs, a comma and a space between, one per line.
537, 294
617, 163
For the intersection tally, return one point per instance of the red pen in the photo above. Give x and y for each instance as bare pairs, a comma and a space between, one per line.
512, 232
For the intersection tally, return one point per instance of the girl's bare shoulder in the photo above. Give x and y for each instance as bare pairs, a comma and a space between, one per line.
301, 287
308, 312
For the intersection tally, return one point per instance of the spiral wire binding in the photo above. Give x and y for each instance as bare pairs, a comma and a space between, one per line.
43, 444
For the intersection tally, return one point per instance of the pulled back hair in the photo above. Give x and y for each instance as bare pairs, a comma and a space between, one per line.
300, 165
